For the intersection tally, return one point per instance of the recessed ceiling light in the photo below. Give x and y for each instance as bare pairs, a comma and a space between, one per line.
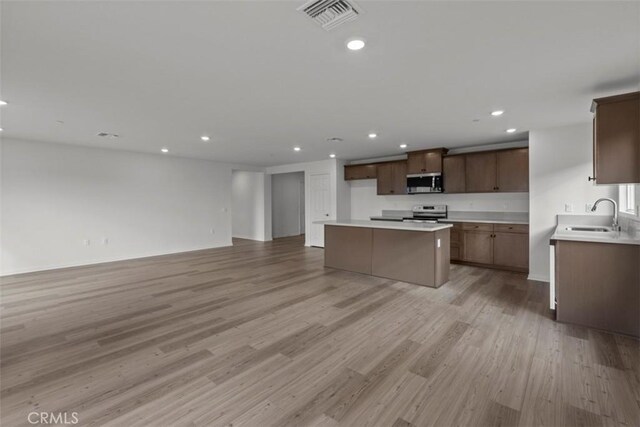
205, 138
511, 130
3, 102
403, 145
355, 44
497, 113
333, 156
296, 148
165, 150
373, 135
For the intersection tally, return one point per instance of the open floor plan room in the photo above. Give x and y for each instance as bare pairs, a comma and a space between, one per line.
201, 340
320, 213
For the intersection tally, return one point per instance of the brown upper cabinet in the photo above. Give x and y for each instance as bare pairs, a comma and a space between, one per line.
392, 178
616, 139
366, 171
496, 171
453, 171
425, 161
512, 170
480, 172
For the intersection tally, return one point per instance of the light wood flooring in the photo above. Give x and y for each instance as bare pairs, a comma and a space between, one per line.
261, 334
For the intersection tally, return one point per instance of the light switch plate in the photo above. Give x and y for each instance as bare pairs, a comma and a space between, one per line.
568, 207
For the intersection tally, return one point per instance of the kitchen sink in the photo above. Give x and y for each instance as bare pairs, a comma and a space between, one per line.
589, 229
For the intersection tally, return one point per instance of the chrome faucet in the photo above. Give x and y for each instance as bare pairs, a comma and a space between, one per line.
615, 225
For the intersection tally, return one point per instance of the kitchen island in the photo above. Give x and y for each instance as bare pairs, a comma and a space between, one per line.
409, 252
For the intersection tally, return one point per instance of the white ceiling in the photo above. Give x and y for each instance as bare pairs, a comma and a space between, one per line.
259, 77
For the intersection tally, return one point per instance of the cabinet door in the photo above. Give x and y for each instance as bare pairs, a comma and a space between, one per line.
478, 247
456, 242
399, 181
480, 172
385, 179
352, 172
511, 250
416, 163
453, 174
433, 161
513, 170
617, 142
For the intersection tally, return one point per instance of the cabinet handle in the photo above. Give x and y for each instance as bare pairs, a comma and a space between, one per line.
591, 178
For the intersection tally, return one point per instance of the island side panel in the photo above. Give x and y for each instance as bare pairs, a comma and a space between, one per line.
442, 256
348, 248
403, 255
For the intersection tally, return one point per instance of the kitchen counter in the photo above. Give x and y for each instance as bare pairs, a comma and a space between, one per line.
404, 251
463, 216
616, 237
389, 225
488, 217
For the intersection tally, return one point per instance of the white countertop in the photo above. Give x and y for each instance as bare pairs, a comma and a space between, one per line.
618, 237
488, 217
390, 225
485, 221
465, 216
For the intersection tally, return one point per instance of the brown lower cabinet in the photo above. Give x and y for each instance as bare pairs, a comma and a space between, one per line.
503, 246
598, 285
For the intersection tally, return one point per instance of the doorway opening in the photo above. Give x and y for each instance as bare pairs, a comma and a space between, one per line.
287, 205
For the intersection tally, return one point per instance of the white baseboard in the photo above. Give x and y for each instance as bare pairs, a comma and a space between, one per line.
105, 261
538, 278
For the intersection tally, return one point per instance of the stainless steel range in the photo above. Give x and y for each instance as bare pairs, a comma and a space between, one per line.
427, 213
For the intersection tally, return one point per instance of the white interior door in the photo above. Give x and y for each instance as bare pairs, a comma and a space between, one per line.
320, 209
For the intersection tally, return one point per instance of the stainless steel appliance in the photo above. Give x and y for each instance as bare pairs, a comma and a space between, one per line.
427, 213
424, 183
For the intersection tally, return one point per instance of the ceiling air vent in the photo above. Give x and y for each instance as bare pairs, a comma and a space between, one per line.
331, 13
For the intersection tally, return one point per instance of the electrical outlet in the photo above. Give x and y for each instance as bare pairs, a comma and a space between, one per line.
105, 241
86, 242
568, 207
588, 207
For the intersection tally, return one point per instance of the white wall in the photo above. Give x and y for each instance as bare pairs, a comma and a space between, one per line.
366, 203
55, 196
560, 160
250, 218
287, 199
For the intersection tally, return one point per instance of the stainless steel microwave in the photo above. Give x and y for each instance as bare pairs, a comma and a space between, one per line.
424, 183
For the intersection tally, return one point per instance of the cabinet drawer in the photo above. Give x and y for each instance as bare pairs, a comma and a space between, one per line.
512, 228
477, 226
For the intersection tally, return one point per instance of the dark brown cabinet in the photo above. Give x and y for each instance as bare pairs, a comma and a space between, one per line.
492, 171
425, 161
616, 139
453, 171
511, 250
597, 285
478, 247
480, 172
512, 170
392, 178
366, 171
503, 246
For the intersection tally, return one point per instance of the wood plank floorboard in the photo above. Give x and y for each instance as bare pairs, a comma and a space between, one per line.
261, 334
